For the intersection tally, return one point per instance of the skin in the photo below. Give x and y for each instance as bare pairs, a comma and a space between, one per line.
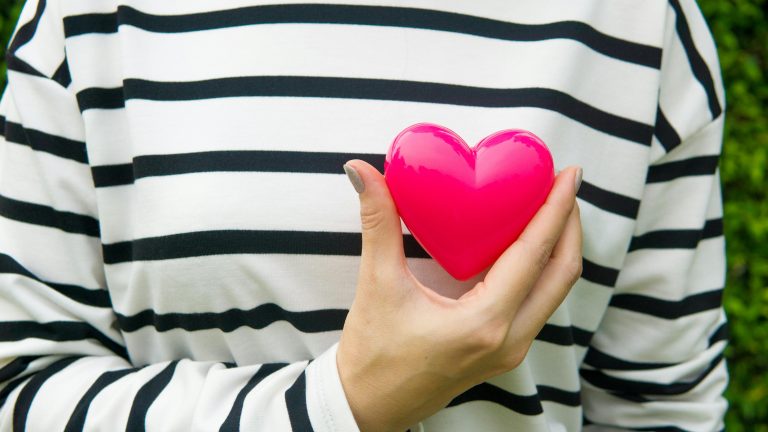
406, 351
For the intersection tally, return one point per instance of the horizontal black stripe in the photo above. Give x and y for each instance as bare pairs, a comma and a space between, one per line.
619, 49
601, 360
677, 239
228, 161
556, 395
529, 405
631, 387
62, 75
699, 67
101, 98
38, 214
45, 142
712, 228
307, 321
631, 397
369, 89
667, 309
305, 162
312, 321
696, 166
232, 422
93, 297
29, 391
76, 421
227, 242
598, 274
526, 405
113, 175
666, 239
16, 367
43, 215
147, 395
648, 428
609, 201
665, 132
296, 402
721, 334
58, 331
659, 429
564, 335
16, 64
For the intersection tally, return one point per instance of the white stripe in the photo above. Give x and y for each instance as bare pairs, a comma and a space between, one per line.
44, 52
604, 233
679, 338
34, 174
323, 282
671, 280
242, 346
400, 54
672, 205
265, 201
550, 364
52, 254
338, 125
61, 115
641, 25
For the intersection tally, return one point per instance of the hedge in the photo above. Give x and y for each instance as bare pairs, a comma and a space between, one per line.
741, 32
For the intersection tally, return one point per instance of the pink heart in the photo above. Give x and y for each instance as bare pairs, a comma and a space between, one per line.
465, 205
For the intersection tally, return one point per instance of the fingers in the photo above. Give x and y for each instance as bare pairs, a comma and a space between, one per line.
517, 269
559, 275
382, 234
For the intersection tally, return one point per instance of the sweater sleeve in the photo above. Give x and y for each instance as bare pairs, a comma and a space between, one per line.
656, 361
63, 362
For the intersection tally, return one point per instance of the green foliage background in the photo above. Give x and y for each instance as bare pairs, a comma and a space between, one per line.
741, 31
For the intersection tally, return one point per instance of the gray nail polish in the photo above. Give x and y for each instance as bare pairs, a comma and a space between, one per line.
354, 178
579, 173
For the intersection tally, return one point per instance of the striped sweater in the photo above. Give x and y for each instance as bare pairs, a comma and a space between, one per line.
179, 245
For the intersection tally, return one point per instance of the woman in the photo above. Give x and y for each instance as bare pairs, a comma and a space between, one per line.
180, 250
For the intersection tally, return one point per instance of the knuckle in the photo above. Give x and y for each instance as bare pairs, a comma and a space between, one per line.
539, 253
572, 268
371, 218
515, 358
492, 338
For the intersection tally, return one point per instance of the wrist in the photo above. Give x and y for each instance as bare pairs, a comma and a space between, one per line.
387, 394
366, 400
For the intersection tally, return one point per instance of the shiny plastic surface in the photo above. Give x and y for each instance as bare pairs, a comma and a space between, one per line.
465, 205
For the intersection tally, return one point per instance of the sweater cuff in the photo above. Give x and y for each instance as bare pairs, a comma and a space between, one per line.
326, 402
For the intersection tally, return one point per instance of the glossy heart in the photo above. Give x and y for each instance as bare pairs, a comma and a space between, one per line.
465, 205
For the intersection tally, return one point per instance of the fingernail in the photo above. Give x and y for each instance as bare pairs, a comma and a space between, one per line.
354, 178
579, 173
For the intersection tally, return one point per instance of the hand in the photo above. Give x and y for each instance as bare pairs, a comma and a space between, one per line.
406, 351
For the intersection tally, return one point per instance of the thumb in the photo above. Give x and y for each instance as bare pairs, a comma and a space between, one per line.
382, 235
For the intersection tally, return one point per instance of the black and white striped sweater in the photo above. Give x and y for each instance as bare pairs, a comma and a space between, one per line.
179, 245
